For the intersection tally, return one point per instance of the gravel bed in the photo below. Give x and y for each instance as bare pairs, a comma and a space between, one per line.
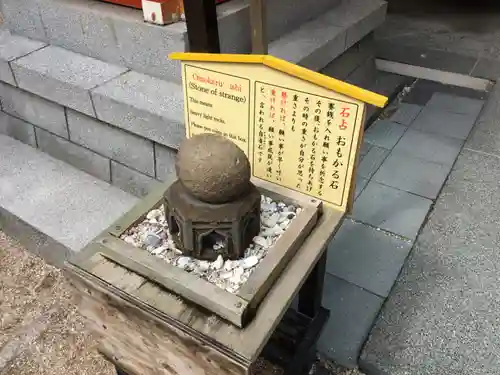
153, 235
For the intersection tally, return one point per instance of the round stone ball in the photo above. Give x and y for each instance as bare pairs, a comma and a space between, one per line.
212, 168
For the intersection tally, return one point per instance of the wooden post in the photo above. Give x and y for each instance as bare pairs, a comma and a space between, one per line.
259, 27
202, 27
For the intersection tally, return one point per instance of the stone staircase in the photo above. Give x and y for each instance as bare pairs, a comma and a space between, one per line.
91, 83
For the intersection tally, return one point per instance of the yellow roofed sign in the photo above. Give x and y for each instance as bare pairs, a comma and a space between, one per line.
300, 129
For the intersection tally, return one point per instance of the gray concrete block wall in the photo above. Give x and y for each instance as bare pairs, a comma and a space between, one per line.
80, 157
100, 149
355, 63
33, 109
17, 129
62, 76
131, 180
143, 105
112, 142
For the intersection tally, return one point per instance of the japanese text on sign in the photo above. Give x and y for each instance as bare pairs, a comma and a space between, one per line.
303, 141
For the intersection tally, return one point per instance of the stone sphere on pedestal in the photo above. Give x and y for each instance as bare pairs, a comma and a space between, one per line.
213, 169
212, 209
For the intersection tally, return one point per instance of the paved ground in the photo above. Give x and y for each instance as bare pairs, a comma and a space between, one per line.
455, 41
41, 332
442, 317
405, 160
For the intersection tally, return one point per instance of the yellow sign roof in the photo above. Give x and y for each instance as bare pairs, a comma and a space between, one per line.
322, 80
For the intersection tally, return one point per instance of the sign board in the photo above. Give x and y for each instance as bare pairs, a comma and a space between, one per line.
299, 129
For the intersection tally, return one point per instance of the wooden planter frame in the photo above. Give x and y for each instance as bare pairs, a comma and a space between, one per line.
238, 308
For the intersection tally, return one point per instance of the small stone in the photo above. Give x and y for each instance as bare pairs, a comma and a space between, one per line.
218, 263
250, 262
226, 275
274, 231
272, 220
236, 276
152, 240
159, 250
203, 265
183, 262
153, 214
284, 224
260, 241
230, 264
130, 240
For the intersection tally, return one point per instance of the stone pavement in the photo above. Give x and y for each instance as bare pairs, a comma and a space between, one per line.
405, 161
443, 315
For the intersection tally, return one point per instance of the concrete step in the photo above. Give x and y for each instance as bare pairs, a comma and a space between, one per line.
118, 35
319, 41
138, 103
104, 31
51, 207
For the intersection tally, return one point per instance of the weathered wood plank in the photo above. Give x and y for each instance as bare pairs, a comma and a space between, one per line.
142, 344
207, 295
264, 276
242, 345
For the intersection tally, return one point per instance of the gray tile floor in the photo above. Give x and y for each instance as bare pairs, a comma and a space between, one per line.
404, 163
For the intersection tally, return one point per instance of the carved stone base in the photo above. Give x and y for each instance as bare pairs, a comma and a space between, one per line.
197, 226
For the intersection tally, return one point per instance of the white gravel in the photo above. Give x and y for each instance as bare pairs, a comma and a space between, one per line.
153, 235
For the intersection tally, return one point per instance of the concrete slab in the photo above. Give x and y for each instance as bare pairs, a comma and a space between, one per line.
33, 109
455, 104
130, 180
63, 204
63, 76
165, 163
18, 129
360, 185
318, 42
12, 47
367, 257
431, 147
406, 113
390, 209
112, 142
143, 105
442, 315
370, 163
384, 133
79, 157
413, 175
449, 124
352, 311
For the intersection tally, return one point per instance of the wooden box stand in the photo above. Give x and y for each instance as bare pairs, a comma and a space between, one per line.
155, 319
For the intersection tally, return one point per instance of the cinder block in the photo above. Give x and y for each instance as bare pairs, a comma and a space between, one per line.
34, 109
144, 47
63, 76
143, 105
364, 75
351, 59
111, 142
17, 129
313, 45
23, 17
77, 156
165, 163
83, 27
11, 48
363, 16
131, 181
